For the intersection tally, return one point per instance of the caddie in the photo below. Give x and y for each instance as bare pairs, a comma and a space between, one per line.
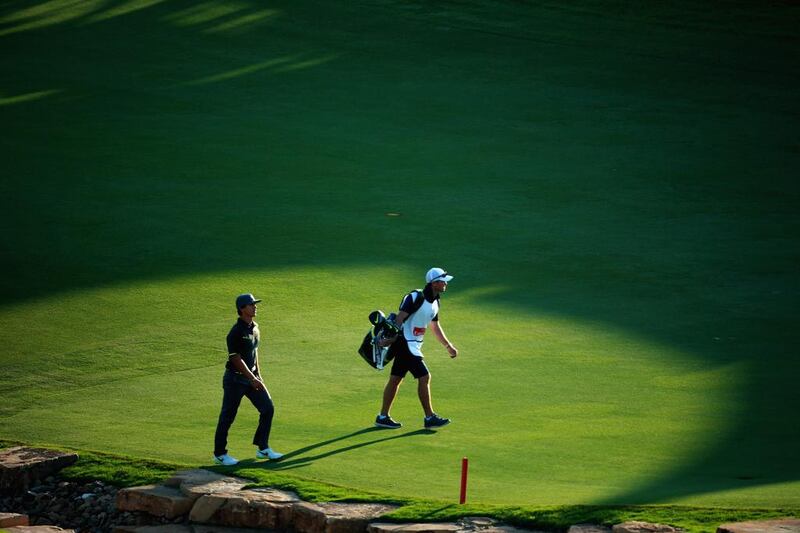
418, 311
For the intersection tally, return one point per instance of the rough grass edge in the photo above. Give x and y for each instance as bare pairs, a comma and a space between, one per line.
128, 471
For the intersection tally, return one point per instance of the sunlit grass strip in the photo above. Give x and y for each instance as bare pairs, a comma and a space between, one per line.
123, 9
279, 64
47, 9
48, 14
244, 71
205, 12
245, 21
29, 97
308, 63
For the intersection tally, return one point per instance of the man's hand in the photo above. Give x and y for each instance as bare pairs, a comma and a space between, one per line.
386, 341
257, 384
392, 326
452, 350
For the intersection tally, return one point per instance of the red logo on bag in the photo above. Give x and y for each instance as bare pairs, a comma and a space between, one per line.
419, 331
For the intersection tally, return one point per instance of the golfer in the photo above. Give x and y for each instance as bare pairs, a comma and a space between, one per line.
243, 378
415, 317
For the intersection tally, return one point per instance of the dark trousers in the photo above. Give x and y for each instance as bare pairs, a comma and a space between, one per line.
232, 393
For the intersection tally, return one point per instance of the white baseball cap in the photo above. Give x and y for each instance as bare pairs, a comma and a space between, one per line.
437, 274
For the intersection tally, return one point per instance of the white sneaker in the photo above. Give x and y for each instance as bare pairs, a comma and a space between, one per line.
225, 460
268, 453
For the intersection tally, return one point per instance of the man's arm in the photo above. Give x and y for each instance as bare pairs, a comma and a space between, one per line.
439, 332
239, 366
401, 317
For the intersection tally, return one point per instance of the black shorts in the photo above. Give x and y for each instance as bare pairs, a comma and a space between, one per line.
405, 361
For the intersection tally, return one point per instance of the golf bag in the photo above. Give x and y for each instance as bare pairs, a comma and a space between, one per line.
375, 346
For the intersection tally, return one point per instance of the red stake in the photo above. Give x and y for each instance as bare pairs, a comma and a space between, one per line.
464, 468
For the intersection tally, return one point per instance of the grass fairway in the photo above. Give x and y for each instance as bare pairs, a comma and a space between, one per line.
612, 188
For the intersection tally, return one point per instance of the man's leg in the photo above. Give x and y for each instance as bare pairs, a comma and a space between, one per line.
432, 420
390, 393
262, 401
231, 398
424, 391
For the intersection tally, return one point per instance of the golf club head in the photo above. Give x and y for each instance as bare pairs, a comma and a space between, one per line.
376, 317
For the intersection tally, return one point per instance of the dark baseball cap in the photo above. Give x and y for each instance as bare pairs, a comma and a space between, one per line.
245, 299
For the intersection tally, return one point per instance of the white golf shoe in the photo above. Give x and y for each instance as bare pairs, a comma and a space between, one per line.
225, 460
268, 453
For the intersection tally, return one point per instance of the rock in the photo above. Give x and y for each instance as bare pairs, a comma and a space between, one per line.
275, 495
248, 508
194, 476
483, 524
157, 500
475, 523
193, 528
791, 525
200, 528
170, 528
13, 519
199, 482
643, 527
588, 528
337, 517
37, 529
378, 527
22, 467
509, 529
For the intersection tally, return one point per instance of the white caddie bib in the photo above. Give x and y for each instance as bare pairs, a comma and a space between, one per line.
415, 325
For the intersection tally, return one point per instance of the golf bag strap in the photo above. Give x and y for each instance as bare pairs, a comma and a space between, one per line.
416, 300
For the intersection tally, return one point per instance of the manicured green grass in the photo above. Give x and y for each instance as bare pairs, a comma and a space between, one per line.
154, 399
611, 187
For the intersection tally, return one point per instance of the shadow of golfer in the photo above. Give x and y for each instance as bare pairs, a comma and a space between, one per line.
305, 449
287, 462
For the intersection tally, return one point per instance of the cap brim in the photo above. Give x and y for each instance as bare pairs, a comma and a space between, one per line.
256, 301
